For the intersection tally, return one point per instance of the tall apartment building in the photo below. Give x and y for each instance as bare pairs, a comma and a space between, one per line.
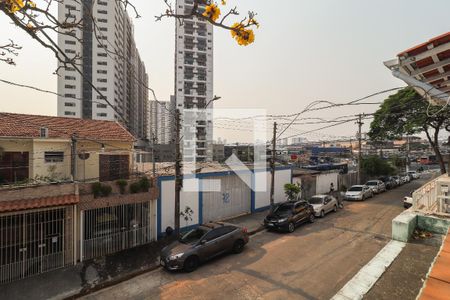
194, 83
119, 73
162, 121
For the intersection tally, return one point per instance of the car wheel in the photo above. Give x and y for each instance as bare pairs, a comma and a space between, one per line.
311, 218
291, 227
322, 214
191, 264
238, 246
335, 208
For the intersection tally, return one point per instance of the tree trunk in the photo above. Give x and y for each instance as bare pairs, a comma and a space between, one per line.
434, 142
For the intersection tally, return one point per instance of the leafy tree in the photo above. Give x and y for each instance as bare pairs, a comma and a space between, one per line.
375, 166
292, 190
408, 113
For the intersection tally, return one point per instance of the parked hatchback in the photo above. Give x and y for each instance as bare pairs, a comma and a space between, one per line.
377, 186
358, 192
203, 243
323, 204
288, 215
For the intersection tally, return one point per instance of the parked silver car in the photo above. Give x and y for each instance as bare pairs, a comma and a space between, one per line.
398, 180
406, 177
323, 204
414, 174
377, 186
358, 192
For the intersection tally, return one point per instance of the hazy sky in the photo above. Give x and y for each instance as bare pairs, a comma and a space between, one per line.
305, 50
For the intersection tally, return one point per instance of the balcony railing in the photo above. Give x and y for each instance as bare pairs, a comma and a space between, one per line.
433, 197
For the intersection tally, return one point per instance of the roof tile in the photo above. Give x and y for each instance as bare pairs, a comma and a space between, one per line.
23, 126
16, 205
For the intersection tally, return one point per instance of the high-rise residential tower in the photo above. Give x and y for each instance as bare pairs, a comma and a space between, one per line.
161, 120
108, 58
194, 82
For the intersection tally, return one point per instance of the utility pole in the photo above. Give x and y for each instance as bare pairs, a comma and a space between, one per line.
73, 163
272, 164
153, 155
408, 149
360, 124
351, 147
178, 175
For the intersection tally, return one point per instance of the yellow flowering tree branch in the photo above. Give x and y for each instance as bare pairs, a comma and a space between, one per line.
210, 11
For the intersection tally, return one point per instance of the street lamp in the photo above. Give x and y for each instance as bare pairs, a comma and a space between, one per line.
212, 100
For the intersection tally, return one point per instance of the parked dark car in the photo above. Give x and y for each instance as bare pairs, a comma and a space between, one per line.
388, 182
288, 215
203, 243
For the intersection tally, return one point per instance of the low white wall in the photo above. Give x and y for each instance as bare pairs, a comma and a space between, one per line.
262, 199
323, 182
167, 195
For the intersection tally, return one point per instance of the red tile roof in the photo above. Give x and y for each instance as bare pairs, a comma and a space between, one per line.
437, 285
16, 205
436, 41
19, 125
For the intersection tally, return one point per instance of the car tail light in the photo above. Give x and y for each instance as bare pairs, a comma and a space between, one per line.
244, 229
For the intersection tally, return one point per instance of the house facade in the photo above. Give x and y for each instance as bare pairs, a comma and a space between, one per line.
42, 148
60, 201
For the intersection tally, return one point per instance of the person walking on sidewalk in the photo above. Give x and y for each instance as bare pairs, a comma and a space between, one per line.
336, 195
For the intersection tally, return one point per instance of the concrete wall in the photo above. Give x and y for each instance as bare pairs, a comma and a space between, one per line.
347, 180
166, 203
262, 199
53, 170
89, 169
324, 180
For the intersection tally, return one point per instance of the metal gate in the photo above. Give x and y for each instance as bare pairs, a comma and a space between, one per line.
233, 199
112, 229
34, 242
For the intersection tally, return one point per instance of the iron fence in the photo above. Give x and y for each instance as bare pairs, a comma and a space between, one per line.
112, 229
33, 242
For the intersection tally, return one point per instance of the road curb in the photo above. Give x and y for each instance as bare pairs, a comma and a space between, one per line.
112, 282
255, 231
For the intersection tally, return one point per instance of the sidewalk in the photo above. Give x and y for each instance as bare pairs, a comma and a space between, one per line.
86, 276
102, 272
405, 277
253, 222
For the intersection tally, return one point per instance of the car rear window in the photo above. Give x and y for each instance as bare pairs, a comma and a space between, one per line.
371, 183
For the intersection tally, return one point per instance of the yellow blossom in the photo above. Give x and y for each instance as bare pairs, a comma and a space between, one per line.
212, 12
243, 36
15, 5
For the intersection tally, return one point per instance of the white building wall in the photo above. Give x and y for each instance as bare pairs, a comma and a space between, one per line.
69, 81
194, 68
117, 77
167, 195
323, 182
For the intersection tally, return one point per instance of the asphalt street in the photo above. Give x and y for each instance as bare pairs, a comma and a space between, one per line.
314, 262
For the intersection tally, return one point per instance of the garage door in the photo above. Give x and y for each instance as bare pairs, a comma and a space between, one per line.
233, 199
